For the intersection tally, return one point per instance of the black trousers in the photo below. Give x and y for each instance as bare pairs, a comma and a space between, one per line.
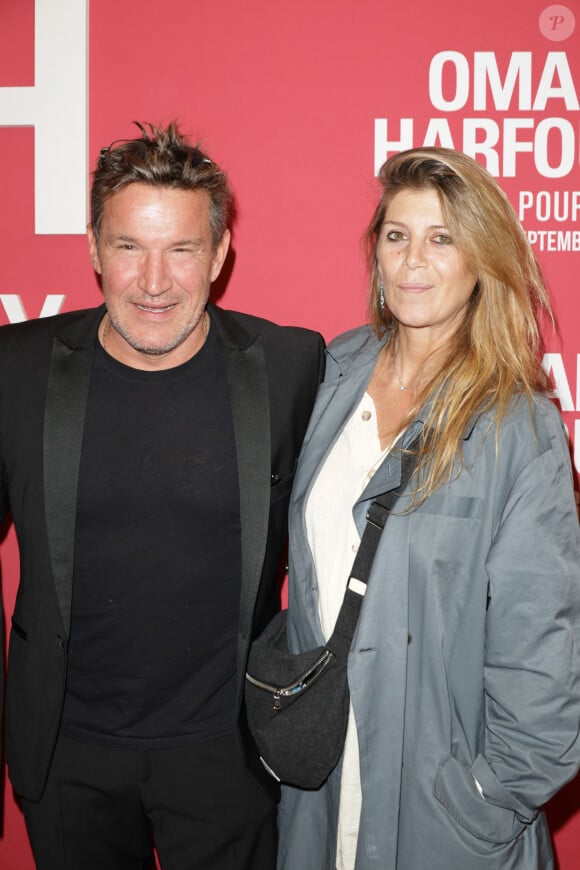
106, 808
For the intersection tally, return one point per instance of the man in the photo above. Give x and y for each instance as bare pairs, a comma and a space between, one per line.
147, 450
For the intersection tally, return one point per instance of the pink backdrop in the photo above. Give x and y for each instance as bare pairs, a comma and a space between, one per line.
299, 102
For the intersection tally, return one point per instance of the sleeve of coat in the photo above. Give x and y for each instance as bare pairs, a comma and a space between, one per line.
531, 669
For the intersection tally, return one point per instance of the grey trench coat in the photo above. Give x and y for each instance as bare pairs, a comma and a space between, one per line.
465, 661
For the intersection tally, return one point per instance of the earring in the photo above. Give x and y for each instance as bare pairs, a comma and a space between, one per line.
381, 296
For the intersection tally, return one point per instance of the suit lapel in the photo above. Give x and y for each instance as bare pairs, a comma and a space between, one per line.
248, 385
67, 390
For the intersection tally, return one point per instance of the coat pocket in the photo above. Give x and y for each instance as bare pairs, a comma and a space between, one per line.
445, 504
456, 790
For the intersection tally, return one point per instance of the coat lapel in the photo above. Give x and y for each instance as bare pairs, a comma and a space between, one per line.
387, 475
248, 384
338, 396
67, 390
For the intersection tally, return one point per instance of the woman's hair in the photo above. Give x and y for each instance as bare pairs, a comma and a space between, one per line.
495, 353
160, 157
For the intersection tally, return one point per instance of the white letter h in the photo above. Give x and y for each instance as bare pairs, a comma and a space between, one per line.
57, 108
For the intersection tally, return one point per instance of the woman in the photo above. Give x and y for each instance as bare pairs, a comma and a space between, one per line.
463, 673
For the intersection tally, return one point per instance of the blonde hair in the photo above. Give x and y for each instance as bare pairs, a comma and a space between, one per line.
495, 353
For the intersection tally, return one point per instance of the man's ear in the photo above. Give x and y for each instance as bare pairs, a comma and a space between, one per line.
220, 254
93, 250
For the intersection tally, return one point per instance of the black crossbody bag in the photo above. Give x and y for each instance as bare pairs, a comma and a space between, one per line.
297, 705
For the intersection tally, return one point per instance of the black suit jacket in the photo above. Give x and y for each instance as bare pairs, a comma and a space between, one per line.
45, 367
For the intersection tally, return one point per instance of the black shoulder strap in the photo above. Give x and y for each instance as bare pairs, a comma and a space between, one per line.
377, 516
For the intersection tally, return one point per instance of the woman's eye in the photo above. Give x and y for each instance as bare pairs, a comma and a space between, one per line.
443, 239
395, 236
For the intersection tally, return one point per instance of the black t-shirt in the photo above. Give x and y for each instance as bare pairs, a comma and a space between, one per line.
152, 653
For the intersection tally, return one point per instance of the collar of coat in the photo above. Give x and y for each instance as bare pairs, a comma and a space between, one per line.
359, 348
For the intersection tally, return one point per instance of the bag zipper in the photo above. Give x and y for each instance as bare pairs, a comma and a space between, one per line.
299, 685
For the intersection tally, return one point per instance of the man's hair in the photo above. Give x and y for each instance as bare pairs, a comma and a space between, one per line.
495, 353
160, 157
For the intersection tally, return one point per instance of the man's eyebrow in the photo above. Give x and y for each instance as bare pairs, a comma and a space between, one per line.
123, 237
108, 238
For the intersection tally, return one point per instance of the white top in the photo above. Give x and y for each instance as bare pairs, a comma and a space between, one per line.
334, 540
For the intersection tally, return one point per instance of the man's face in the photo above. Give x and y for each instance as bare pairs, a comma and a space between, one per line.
156, 261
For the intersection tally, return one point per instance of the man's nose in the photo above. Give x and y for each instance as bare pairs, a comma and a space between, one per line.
154, 277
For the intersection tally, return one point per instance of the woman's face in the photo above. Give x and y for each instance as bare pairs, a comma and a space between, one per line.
427, 281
